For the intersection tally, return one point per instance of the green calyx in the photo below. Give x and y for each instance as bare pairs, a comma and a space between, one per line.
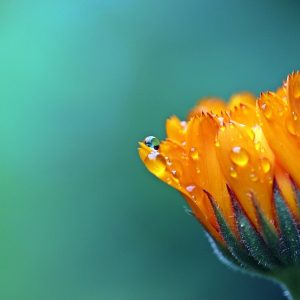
273, 254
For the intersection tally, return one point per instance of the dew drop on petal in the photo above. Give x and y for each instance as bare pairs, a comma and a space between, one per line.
233, 172
190, 188
253, 177
267, 111
290, 125
177, 170
217, 143
265, 165
152, 142
239, 156
295, 117
183, 124
194, 154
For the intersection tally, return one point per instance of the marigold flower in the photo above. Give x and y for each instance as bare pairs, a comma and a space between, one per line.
238, 167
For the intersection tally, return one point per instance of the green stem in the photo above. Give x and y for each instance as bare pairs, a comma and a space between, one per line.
290, 279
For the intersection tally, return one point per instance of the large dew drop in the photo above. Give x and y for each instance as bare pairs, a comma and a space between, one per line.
239, 156
265, 165
152, 142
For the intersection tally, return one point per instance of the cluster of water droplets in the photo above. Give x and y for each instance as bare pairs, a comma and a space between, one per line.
171, 170
290, 117
240, 158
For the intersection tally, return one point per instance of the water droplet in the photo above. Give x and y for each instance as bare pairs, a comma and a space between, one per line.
233, 172
169, 163
290, 125
267, 111
253, 177
169, 180
239, 156
190, 188
152, 155
295, 117
265, 164
217, 143
221, 121
183, 124
177, 170
152, 142
198, 171
194, 153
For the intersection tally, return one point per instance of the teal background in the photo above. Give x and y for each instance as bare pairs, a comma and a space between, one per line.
80, 83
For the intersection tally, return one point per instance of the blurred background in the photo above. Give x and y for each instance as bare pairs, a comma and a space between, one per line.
81, 82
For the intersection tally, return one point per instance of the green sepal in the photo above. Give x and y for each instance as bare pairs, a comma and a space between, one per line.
233, 244
289, 233
297, 194
223, 254
269, 235
251, 238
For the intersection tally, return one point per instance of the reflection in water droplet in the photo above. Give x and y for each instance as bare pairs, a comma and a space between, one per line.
194, 153
233, 172
265, 164
239, 156
152, 142
267, 111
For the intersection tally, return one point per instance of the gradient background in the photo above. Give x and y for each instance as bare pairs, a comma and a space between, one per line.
81, 82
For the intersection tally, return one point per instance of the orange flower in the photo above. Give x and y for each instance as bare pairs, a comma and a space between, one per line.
238, 167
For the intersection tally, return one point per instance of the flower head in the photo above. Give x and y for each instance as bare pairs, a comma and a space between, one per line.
238, 167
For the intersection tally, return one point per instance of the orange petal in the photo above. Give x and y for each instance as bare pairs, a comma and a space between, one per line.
201, 133
293, 96
210, 105
273, 116
172, 165
242, 109
286, 188
241, 98
248, 170
176, 129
